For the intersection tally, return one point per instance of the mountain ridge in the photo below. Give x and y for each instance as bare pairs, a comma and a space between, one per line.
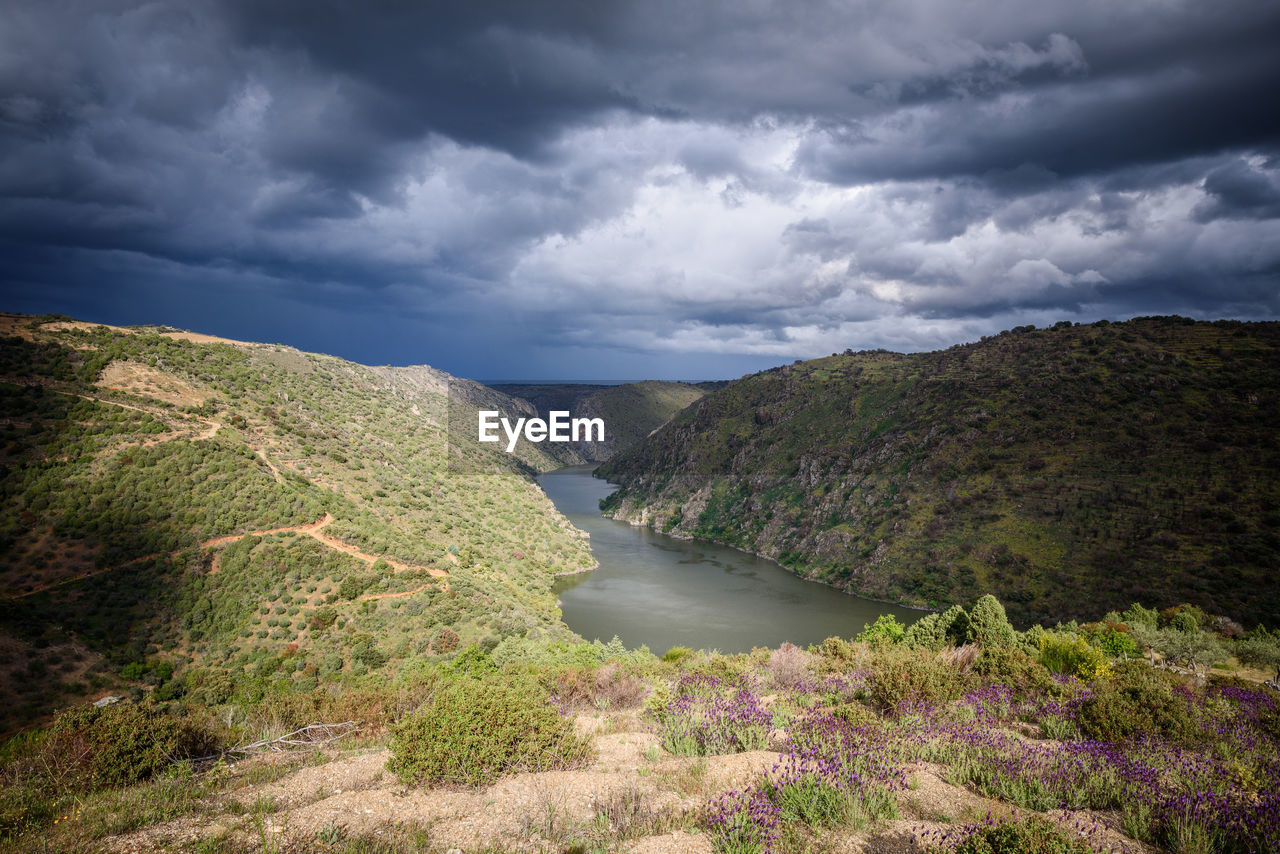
1041, 465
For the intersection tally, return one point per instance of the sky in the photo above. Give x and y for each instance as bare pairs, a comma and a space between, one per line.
578, 189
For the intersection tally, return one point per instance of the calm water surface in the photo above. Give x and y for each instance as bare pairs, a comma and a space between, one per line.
656, 590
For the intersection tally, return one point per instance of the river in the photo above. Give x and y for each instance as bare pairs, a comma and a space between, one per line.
660, 591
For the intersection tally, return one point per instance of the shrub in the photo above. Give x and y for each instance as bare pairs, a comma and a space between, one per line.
605, 687
707, 715
324, 617
676, 654
1032, 833
472, 731
474, 662
854, 714
445, 641
1137, 700
1183, 621
1117, 644
216, 688
954, 625
886, 630
926, 633
836, 648
1070, 655
988, 624
1261, 652
910, 676
788, 665
1136, 615
1008, 665
118, 745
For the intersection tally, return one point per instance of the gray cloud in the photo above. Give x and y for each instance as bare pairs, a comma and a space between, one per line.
714, 180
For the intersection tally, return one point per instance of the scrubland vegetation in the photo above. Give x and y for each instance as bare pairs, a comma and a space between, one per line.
240, 540
127, 532
1068, 470
1085, 750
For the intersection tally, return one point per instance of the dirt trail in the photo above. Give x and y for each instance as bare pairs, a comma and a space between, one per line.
81, 575
312, 530
219, 542
371, 596
346, 548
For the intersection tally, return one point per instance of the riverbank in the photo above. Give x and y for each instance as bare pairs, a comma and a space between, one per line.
653, 589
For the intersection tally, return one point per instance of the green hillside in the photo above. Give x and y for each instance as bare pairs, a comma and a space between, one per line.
1068, 470
140, 469
306, 631
631, 411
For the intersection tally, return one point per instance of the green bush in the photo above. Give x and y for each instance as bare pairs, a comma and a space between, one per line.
1136, 615
854, 714
474, 662
215, 688
926, 633
1137, 700
885, 631
833, 649
93, 748
1183, 621
676, 654
1071, 655
900, 675
936, 631
1116, 644
988, 624
472, 731
1009, 665
1022, 836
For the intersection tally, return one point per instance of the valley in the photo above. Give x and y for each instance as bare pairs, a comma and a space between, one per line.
207, 544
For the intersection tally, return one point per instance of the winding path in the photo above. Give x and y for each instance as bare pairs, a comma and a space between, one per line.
313, 530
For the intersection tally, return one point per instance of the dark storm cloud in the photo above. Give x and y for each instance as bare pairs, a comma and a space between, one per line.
1241, 190
762, 180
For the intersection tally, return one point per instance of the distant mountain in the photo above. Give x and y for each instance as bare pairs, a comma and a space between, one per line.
630, 412
172, 502
1068, 470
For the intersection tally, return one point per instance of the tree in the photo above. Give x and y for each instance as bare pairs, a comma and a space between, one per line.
1136, 615
926, 633
1195, 649
1262, 652
884, 631
988, 624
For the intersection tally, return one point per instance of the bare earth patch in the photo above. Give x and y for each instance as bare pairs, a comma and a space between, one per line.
146, 381
201, 338
354, 796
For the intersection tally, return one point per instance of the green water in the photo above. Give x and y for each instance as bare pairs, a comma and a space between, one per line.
659, 591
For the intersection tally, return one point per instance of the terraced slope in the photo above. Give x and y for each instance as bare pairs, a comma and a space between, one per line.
159, 494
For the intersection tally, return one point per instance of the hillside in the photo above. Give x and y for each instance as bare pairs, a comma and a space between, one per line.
1068, 470
176, 508
324, 625
630, 411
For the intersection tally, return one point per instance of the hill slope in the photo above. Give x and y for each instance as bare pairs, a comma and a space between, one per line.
630, 411
176, 505
1068, 471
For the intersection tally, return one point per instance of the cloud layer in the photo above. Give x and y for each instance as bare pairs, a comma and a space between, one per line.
632, 189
